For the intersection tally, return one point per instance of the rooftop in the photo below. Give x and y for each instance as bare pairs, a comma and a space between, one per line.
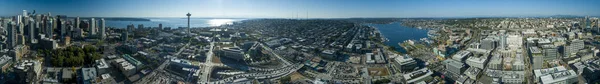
132, 60
454, 63
535, 50
88, 73
460, 55
101, 64
542, 72
404, 59
5, 59
558, 76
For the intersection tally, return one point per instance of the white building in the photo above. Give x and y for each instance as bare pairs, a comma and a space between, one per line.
461, 55
562, 77
102, 29
478, 62
495, 62
102, 66
514, 41
92, 28
513, 77
126, 68
554, 75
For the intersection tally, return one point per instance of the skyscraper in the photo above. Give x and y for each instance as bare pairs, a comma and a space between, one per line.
102, 29
92, 28
124, 36
160, 26
10, 28
130, 28
140, 26
502, 43
49, 29
63, 29
25, 13
77, 22
188, 25
31, 30
19, 24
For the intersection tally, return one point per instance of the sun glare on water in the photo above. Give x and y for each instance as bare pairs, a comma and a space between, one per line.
219, 22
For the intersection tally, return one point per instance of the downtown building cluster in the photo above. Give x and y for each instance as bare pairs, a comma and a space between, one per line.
31, 31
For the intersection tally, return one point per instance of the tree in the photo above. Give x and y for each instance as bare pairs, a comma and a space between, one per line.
382, 81
285, 79
73, 56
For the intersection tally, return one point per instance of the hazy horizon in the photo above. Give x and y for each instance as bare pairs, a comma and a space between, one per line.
302, 8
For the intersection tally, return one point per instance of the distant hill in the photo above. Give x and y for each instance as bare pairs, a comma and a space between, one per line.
566, 16
114, 18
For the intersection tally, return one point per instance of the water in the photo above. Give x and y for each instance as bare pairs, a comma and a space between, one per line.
172, 22
396, 33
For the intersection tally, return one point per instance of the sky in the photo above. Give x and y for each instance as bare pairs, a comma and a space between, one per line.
303, 8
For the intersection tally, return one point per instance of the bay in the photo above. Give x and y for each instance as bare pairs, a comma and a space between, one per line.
396, 33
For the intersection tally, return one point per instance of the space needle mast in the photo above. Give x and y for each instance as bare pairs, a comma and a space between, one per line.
188, 25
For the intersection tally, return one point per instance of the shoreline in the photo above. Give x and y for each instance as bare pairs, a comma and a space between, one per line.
385, 39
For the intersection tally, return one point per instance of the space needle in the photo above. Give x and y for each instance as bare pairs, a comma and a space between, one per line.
188, 25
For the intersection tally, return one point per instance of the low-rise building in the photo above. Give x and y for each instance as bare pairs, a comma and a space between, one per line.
472, 73
232, 53
455, 68
405, 63
562, 77
513, 77
28, 71
538, 58
5, 62
102, 66
132, 60
88, 76
495, 62
555, 75
126, 68
418, 75
461, 55
590, 70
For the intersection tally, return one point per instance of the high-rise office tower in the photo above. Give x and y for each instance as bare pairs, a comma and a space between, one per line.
92, 28
77, 22
25, 13
63, 30
140, 26
502, 43
160, 26
11, 40
188, 25
49, 29
102, 29
130, 28
31, 30
60, 21
19, 24
70, 30
124, 36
